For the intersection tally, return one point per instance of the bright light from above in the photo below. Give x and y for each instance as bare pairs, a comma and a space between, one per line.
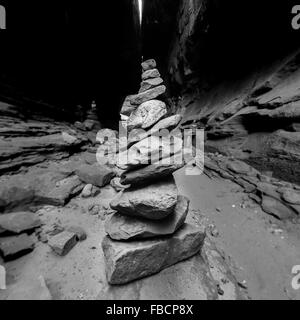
141, 10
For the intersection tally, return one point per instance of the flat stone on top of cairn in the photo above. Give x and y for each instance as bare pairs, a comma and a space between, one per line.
148, 64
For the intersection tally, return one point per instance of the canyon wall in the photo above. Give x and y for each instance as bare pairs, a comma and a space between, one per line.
234, 69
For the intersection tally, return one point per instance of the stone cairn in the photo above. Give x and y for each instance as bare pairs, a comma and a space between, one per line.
92, 122
148, 232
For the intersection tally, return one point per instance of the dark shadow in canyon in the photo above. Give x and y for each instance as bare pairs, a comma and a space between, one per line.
63, 53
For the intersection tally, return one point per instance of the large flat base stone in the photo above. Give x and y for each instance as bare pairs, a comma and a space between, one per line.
128, 261
205, 276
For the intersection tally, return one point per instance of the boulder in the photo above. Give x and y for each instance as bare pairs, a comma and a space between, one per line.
89, 157
205, 276
90, 191
241, 167
127, 107
117, 185
87, 191
128, 261
150, 83
291, 196
15, 194
149, 173
95, 174
51, 186
153, 73
68, 138
148, 95
277, 209
284, 143
268, 189
154, 202
63, 242
61, 193
121, 227
149, 64
29, 150
169, 123
16, 246
147, 114
151, 150
136, 135
18, 222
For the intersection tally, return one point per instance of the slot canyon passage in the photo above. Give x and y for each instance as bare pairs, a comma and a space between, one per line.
72, 227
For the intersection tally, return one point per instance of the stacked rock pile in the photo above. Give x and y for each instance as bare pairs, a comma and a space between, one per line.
148, 232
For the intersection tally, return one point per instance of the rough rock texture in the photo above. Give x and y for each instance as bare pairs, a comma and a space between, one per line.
127, 107
151, 150
87, 191
63, 191
277, 198
128, 261
277, 209
29, 151
150, 83
205, 276
249, 112
150, 94
117, 185
148, 174
10, 247
149, 64
95, 174
291, 196
79, 231
63, 242
169, 123
26, 143
147, 114
53, 185
18, 222
121, 227
154, 73
154, 202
